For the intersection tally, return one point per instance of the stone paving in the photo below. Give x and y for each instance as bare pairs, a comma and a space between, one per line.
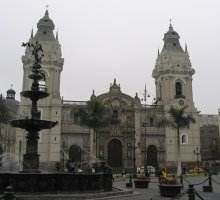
122, 193
152, 193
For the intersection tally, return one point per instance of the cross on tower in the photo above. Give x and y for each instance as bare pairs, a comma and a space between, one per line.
170, 21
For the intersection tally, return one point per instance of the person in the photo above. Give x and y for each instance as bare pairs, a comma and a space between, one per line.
70, 166
147, 174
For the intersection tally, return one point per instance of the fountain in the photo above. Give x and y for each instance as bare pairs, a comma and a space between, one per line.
34, 124
31, 179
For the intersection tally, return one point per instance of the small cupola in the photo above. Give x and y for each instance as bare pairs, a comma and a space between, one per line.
10, 94
171, 40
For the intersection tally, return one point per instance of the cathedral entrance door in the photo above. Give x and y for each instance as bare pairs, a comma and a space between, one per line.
115, 154
152, 156
75, 153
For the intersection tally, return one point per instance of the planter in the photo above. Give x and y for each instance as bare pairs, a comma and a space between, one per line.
170, 190
207, 188
129, 184
141, 183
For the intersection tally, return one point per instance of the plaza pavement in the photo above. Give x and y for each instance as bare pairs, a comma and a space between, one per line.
122, 193
152, 193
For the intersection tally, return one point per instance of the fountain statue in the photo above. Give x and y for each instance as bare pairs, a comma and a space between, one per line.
31, 179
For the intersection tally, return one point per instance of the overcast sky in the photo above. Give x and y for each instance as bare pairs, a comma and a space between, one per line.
106, 39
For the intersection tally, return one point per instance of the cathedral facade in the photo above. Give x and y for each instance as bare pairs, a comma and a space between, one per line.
135, 141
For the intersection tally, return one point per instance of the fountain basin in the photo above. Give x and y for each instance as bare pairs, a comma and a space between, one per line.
34, 94
33, 124
56, 182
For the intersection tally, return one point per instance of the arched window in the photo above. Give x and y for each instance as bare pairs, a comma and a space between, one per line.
184, 139
160, 91
151, 121
115, 117
179, 89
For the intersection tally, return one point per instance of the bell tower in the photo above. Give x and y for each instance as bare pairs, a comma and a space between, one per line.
50, 107
173, 73
173, 79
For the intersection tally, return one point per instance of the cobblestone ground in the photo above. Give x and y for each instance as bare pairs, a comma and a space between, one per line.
152, 193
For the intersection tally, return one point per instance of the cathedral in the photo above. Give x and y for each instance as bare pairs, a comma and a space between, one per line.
135, 141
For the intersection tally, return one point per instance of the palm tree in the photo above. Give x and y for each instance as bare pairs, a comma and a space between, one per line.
177, 120
94, 116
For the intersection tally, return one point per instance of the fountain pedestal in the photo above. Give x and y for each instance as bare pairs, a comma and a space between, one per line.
31, 163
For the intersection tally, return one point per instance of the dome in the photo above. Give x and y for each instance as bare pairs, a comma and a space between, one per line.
171, 33
171, 40
45, 28
45, 23
10, 94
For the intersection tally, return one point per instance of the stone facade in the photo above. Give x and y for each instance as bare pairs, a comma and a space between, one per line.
209, 134
135, 140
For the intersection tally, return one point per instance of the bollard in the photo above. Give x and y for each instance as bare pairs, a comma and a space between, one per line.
129, 184
181, 180
210, 182
130, 179
208, 188
9, 194
191, 192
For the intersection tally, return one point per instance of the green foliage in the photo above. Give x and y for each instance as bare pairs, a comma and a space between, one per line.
177, 118
180, 118
94, 115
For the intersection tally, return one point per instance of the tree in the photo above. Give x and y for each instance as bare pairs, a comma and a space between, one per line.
94, 116
4, 111
5, 116
177, 120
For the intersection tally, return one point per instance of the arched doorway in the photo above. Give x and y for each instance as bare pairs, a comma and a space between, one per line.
115, 153
152, 159
75, 153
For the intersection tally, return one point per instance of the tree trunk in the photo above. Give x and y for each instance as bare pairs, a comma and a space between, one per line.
179, 167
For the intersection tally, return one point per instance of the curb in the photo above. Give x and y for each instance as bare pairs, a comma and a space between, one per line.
73, 196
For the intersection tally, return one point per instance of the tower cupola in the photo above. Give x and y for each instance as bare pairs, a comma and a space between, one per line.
171, 40
45, 28
10, 94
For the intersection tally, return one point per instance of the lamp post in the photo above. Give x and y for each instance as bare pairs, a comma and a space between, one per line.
19, 155
197, 153
145, 130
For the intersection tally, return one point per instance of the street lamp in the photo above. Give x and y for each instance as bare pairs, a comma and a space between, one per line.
197, 153
145, 130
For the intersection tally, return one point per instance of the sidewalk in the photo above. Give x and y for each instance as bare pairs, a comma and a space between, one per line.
152, 193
